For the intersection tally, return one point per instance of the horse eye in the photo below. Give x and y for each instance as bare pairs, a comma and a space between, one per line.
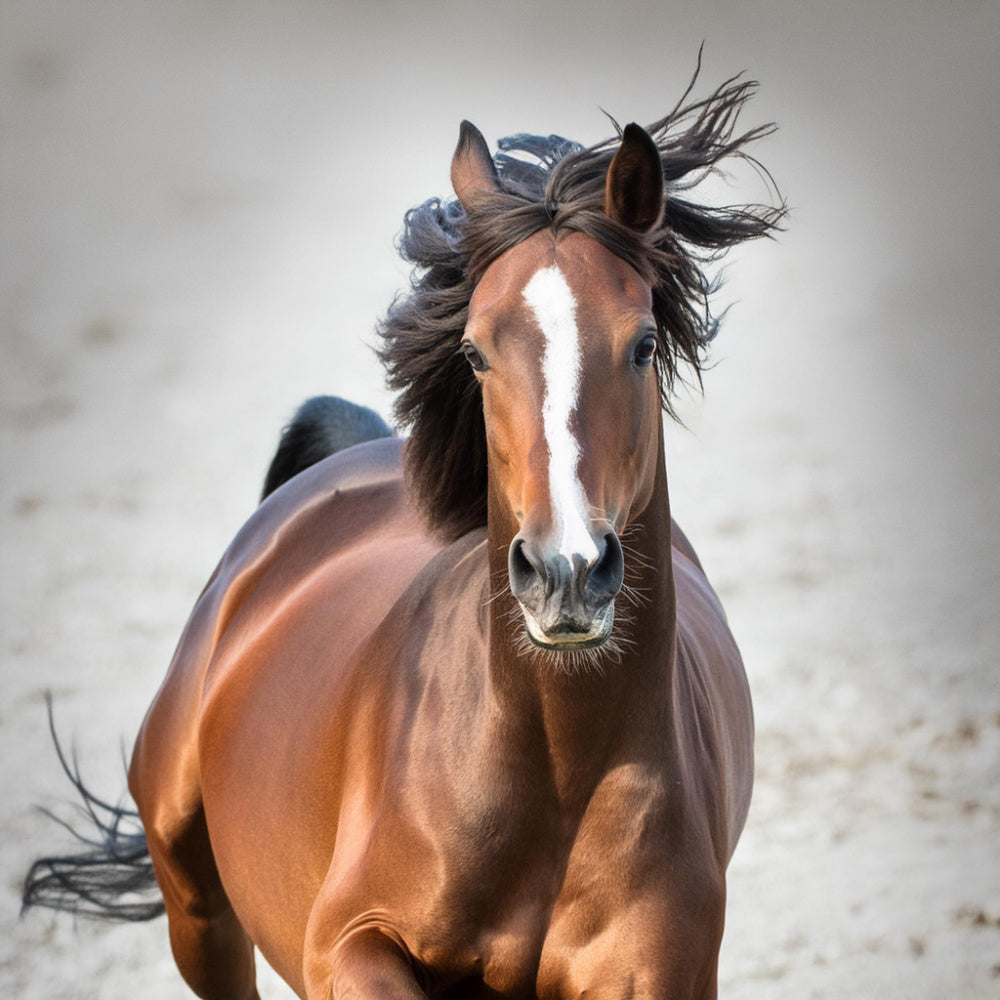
644, 351
472, 355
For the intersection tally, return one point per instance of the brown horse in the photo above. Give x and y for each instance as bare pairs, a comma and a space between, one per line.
461, 716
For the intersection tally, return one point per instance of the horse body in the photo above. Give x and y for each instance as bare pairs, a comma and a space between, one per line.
481, 801
461, 717
516, 830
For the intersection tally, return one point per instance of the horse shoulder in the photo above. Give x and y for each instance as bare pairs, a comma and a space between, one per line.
714, 713
408, 757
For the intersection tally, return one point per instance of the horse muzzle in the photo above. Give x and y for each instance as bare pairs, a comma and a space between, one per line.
568, 601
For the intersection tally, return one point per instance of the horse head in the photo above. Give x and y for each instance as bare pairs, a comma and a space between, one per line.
562, 339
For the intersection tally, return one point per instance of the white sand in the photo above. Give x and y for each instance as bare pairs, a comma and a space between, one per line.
197, 215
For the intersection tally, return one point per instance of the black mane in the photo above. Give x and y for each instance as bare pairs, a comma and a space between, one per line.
559, 187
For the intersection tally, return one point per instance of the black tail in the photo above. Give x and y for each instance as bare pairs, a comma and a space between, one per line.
112, 879
321, 426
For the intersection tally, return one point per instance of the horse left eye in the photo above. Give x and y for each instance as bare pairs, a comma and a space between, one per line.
644, 351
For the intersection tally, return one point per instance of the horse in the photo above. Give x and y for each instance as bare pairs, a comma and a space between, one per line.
459, 715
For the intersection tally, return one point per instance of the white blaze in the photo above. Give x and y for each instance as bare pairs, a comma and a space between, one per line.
554, 308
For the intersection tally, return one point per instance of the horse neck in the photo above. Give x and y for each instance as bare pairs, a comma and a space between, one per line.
586, 719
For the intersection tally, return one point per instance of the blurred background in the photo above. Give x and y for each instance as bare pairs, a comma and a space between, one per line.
198, 208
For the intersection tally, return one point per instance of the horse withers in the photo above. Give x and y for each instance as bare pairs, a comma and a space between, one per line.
460, 715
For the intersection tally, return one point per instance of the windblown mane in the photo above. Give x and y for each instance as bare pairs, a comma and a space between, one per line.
560, 188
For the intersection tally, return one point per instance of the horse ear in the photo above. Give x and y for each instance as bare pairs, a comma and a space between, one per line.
633, 191
472, 169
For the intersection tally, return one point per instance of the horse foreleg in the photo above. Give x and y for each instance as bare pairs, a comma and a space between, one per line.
365, 965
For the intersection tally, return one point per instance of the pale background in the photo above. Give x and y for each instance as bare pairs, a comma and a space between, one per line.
197, 213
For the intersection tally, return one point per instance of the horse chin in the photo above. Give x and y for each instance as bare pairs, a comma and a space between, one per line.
566, 636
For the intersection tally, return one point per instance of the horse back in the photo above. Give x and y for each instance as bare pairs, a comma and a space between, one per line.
342, 534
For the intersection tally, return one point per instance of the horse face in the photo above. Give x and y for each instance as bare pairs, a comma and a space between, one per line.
561, 336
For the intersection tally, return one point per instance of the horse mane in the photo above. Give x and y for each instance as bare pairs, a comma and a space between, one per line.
548, 182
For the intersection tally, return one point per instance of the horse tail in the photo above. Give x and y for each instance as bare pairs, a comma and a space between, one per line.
112, 877
321, 426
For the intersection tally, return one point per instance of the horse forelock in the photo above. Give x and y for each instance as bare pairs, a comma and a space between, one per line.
552, 183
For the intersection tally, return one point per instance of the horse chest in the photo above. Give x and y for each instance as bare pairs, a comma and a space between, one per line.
621, 901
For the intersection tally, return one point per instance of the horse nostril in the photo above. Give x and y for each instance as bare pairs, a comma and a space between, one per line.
608, 572
525, 577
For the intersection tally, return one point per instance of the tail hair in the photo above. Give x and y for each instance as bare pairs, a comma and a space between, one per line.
321, 426
112, 877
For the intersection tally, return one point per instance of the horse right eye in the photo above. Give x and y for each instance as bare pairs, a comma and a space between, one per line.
474, 357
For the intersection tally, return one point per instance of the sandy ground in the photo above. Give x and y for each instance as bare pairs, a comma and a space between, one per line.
196, 218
